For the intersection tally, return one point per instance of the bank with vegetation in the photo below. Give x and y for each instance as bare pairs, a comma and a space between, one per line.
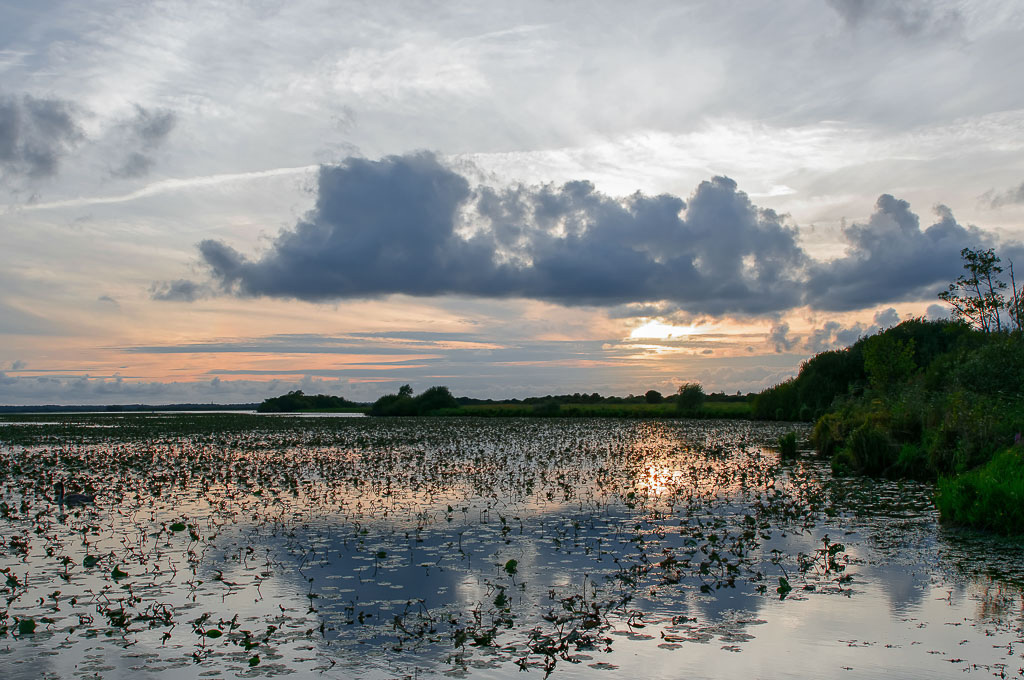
298, 402
689, 401
935, 400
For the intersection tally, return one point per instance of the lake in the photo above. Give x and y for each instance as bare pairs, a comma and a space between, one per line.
236, 545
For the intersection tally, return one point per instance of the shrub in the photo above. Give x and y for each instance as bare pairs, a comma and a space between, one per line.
912, 463
828, 434
547, 408
872, 449
990, 497
434, 399
404, 404
844, 464
787, 445
690, 398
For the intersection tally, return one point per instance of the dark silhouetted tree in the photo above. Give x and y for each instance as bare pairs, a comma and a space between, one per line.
689, 398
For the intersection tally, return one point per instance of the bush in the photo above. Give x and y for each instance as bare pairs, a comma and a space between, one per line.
787, 445
990, 497
829, 434
690, 398
844, 464
404, 404
872, 450
435, 399
912, 463
547, 408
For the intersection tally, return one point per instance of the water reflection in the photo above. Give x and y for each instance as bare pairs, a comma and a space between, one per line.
484, 548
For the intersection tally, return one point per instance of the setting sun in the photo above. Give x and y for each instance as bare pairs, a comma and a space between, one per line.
658, 330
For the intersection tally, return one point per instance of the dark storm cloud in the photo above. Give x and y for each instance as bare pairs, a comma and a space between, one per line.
407, 224
143, 134
892, 259
35, 134
410, 225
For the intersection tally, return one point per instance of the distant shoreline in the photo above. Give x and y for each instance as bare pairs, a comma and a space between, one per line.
125, 408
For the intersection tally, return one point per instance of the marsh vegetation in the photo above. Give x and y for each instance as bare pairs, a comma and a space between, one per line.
245, 545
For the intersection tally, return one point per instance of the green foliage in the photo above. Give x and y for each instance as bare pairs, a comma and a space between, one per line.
888, 360
297, 401
996, 367
690, 398
787, 445
432, 400
871, 450
912, 463
829, 434
978, 298
653, 397
990, 497
546, 408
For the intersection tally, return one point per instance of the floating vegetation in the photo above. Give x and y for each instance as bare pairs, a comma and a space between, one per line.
244, 545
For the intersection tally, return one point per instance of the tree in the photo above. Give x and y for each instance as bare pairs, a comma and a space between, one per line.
653, 397
888, 361
978, 299
690, 398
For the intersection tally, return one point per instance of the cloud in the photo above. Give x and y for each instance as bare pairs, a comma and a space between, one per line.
834, 335
779, 338
35, 134
142, 135
17, 365
115, 389
411, 225
891, 259
181, 290
1012, 196
14, 321
408, 224
937, 311
907, 17
887, 318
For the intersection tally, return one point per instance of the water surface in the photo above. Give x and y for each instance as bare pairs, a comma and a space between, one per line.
243, 546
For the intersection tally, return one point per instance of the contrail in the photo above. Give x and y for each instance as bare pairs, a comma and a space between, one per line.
161, 187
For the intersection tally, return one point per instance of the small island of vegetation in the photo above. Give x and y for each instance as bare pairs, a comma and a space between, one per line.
297, 402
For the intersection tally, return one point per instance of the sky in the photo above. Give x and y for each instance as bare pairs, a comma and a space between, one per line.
224, 201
